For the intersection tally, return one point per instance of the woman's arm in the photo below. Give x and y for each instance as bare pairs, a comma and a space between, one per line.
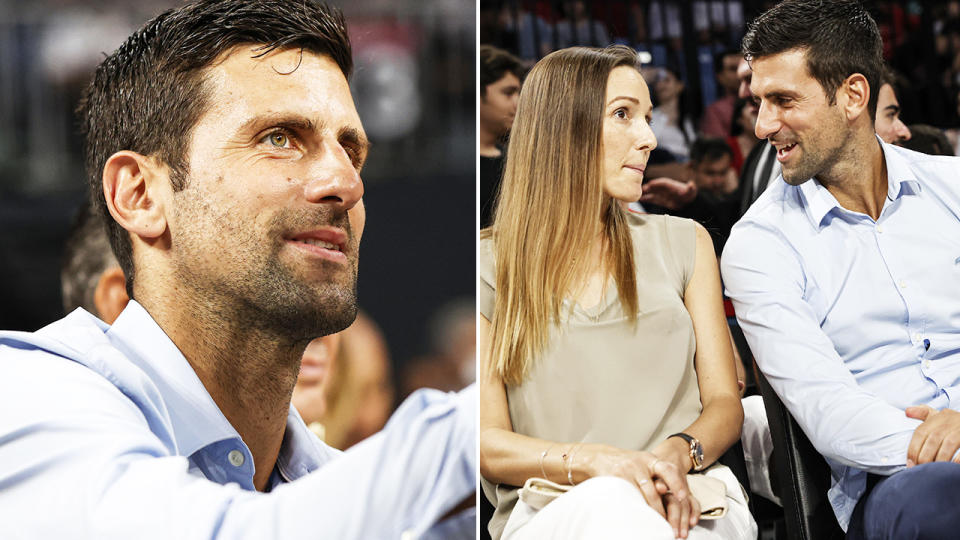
718, 426
510, 458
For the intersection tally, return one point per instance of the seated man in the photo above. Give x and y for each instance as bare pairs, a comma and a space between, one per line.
224, 150
845, 277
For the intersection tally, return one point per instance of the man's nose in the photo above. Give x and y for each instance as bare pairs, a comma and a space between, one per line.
767, 122
902, 130
333, 179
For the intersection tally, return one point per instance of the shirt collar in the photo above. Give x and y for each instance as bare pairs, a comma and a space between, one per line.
901, 180
196, 420
302, 451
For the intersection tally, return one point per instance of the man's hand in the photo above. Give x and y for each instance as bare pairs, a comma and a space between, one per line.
936, 439
668, 193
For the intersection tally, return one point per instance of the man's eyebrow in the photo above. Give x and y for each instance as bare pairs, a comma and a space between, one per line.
354, 137
286, 120
628, 98
892, 108
776, 94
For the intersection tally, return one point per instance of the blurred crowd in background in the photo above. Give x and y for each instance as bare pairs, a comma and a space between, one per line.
414, 86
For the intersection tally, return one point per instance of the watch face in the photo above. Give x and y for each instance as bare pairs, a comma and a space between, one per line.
696, 453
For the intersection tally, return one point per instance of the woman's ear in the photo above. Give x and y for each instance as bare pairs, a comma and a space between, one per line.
133, 195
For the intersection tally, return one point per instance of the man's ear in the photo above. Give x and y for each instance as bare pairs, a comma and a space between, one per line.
854, 96
133, 187
110, 296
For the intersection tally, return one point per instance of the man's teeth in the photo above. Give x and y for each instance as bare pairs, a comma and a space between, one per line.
784, 149
321, 243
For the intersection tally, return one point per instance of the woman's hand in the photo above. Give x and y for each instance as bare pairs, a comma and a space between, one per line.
654, 477
681, 513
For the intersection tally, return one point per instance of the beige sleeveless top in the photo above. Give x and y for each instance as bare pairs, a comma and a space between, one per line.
602, 379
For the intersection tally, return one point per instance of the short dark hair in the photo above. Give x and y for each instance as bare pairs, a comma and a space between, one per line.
494, 64
718, 58
928, 140
149, 94
839, 37
708, 149
86, 255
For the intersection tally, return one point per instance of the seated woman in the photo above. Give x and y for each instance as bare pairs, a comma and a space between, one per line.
604, 353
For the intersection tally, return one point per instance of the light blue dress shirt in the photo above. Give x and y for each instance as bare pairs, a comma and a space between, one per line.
106, 432
853, 320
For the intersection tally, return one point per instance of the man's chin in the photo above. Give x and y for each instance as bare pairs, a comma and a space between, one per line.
794, 181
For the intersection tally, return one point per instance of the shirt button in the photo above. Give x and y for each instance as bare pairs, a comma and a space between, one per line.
926, 363
879, 228
916, 337
236, 458
883, 459
903, 284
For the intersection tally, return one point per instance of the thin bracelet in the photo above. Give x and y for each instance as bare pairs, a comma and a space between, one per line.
543, 455
563, 460
570, 464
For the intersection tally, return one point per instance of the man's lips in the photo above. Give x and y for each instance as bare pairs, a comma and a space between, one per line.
328, 243
784, 149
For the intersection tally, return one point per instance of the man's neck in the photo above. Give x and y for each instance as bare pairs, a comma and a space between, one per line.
249, 375
859, 180
488, 143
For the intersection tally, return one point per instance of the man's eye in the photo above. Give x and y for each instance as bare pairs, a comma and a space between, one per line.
278, 139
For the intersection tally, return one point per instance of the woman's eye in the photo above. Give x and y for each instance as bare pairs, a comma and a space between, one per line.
279, 139
620, 113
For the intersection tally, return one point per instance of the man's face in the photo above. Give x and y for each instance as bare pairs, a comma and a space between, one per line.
499, 105
727, 77
713, 175
796, 116
887, 123
271, 217
744, 76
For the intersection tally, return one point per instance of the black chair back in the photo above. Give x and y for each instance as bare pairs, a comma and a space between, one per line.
803, 474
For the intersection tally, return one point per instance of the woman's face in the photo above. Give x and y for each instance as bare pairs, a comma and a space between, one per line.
627, 137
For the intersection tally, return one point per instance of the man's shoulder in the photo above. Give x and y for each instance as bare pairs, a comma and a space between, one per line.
939, 172
70, 337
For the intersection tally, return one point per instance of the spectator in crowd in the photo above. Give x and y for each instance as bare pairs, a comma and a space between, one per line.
91, 277
559, 290
577, 27
742, 139
500, 75
928, 140
671, 122
760, 167
361, 393
711, 166
451, 363
887, 123
838, 239
718, 118
224, 149
312, 395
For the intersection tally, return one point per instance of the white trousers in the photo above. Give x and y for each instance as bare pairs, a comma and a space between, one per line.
757, 446
610, 507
